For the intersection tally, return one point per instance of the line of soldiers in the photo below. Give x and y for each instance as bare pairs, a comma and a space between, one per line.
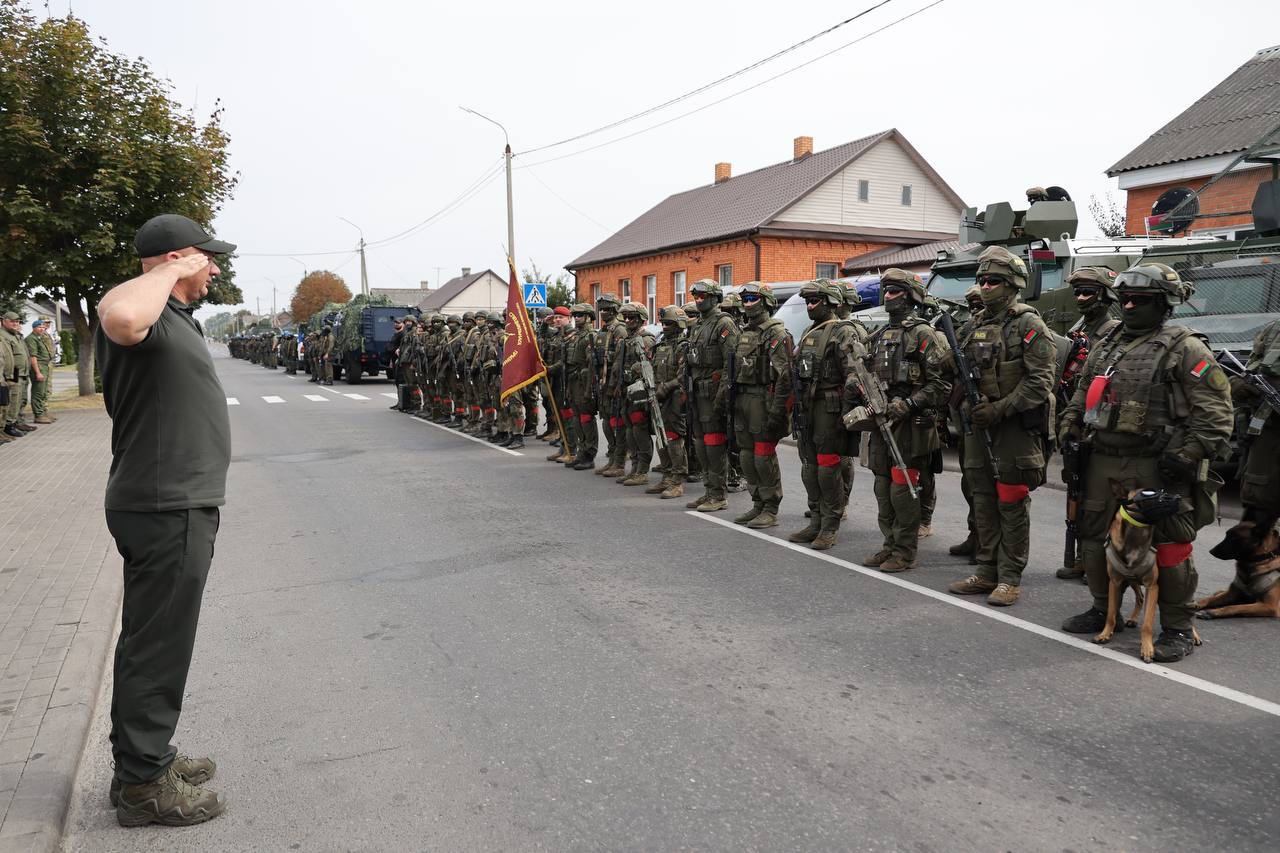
26, 371
274, 350
448, 370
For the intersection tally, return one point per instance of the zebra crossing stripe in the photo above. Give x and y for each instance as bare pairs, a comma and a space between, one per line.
316, 398
355, 396
273, 399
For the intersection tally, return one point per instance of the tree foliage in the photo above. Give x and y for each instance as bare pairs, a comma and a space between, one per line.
1109, 215
559, 292
316, 289
92, 146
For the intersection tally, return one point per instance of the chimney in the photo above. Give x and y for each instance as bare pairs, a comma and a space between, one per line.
424, 285
466, 271
802, 147
724, 171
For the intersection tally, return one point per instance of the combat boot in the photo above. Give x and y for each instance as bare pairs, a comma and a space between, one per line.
516, 442
675, 490
659, 487
1091, 621
824, 540
1004, 595
1070, 573
763, 520
972, 585
925, 530
807, 534
556, 456
965, 548
5, 438
566, 457
583, 465
637, 479
193, 771
896, 564
755, 510
168, 801
43, 419
13, 431
878, 558
698, 501
1173, 645
25, 427
713, 505
502, 439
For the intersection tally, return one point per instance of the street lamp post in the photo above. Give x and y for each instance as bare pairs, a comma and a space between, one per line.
511, 227
364, 274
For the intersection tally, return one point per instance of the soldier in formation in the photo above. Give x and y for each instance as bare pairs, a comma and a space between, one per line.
612, 402
637, 421
17, 374
711, 345
670, 378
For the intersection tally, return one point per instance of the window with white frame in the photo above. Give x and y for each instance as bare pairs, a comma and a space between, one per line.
595, 293
625, 287
677, 285
906, 195
828, 271
864, 190
651, 295
724, 274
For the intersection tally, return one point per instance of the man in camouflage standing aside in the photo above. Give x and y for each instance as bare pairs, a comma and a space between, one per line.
711, 347
21, 370
1011, 348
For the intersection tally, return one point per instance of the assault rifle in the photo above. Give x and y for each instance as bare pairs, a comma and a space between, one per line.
620, 387
968, 376
596, 366
1075, 461
873, 398
733, 401
799, 417
1264, 389
649, 385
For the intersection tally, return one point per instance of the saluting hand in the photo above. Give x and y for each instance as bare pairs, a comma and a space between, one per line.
187, 265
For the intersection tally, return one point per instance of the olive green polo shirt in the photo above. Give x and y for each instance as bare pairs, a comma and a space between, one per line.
170, 433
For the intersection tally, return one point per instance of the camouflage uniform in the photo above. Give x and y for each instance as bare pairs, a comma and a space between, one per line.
1259, 479
845, 312
761, 376
1012, 349
670, 380
711, 346
612, 398
638, 346
582, 375
324, 355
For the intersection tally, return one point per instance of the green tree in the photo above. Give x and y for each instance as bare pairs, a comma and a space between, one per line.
91, 146
1109, 215
559, 292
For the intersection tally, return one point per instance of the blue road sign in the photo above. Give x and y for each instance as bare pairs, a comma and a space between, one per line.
535, 295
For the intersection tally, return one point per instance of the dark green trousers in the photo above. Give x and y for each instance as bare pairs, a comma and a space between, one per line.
166, 560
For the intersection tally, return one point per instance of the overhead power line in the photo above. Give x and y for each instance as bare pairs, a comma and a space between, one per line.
710, 85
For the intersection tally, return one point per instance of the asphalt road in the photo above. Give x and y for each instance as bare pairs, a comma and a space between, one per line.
414, 641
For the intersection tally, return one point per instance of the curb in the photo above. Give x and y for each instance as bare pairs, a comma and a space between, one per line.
43, 795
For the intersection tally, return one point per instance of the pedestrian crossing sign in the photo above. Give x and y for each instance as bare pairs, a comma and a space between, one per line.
535, 295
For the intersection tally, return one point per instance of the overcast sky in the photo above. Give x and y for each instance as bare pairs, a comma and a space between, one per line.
351, 109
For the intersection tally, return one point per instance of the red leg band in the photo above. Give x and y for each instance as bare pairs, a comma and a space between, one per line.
672, 436
566, 413
637, 417
900, 479
766, 448
714, 439
828, 460
1172, 553
584, 419
1010, 494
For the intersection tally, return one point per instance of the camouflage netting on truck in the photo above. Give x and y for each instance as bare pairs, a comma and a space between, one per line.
346, 320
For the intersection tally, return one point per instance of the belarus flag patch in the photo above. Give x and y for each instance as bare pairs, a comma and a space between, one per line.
1030, 336
1200, 368
925, 343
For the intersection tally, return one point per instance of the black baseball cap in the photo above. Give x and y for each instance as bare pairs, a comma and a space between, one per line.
170, 232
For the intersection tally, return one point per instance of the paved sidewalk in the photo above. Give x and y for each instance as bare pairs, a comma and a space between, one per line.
59, 594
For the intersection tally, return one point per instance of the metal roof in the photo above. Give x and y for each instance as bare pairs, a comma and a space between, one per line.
441, 296
908, 256
738, 205
1230, 118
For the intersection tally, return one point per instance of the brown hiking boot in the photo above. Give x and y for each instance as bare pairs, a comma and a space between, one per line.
557, 456
925, 531
713, 505
1070, 573
824, 540
808, 534
168, 801
637, 479
5, 439
972, 585
698, 501
748, 515
763, 520
193, 771
896, 564
43, 419
877, 558
25, 427
612, 470
567, 458
1004, 595
659, 487
675, 490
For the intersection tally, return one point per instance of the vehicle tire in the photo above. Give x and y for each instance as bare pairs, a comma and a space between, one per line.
355, 372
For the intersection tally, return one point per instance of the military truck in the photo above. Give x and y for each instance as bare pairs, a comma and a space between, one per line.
362, 337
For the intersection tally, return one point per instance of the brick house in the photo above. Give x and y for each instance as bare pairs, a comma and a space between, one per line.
1202, 141
795, 220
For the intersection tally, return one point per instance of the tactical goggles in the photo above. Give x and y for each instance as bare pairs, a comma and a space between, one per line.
1144, 278
749, 298
1139, 299
814, 299
991, 279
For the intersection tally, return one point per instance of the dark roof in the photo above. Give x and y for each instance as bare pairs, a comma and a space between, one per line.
1230, 118
739, 205
893, 257
451, 288
411, 296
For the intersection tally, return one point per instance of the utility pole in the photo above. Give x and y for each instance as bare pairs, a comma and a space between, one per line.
364, 272
511, 227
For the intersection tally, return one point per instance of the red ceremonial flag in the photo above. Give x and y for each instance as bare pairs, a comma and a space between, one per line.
521, 362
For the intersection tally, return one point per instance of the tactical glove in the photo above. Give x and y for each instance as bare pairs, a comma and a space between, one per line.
1070, 432
777, 423
984, 415
898, 409
1178, 468
1242, 389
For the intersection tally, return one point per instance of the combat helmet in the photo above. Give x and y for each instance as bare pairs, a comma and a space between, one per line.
852, 297
761, 290
584, 309
468, 315
409, 320
674, 314
824, 287
902, 278
608, 301
997, 260
1099, 277
706, 287
453, 320
635, 309
481, 317
1153, 277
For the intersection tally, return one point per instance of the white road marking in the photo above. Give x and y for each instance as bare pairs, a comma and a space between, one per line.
355, 396
1129, 660
392, 394
316, 398
273, 399
232, 401
452, 431
330, 390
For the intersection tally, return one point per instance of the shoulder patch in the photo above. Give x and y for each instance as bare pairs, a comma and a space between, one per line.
925, 343
1030, 336
774, 343
1201, 367
724, 333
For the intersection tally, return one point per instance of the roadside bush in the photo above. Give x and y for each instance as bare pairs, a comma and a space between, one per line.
69, 353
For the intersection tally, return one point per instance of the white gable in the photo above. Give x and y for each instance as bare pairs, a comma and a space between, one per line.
886, 168
487, 292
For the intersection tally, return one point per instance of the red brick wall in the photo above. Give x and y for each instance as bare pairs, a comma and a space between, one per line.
781, 259
1234, 192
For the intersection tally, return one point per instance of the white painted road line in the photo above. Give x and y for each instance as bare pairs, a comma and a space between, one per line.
316, 398
232, 401
1129, 660
355, 396
452, 431
392, 394
330, 390
273, 399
